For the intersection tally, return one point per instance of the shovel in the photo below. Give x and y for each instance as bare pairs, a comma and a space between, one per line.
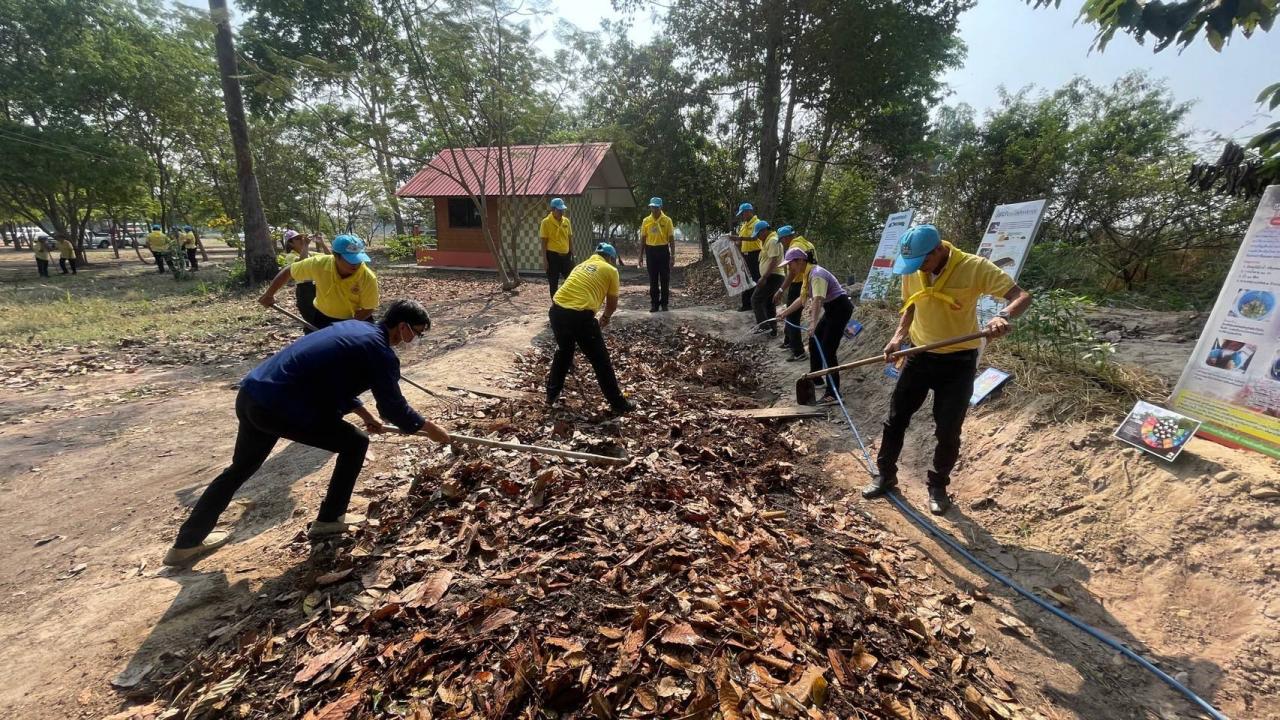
805, 391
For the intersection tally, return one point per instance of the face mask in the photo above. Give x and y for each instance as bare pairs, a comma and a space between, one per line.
410, 347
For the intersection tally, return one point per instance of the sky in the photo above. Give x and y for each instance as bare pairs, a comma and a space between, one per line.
1011, 44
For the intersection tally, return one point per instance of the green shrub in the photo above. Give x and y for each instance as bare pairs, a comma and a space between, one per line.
405, 247
237, 275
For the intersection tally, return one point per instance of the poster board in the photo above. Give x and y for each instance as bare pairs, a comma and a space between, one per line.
1007, 241
1153, 429
987, 382
733, 267
880, 276
1232, 381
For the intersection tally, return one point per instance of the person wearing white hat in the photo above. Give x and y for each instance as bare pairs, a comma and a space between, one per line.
658, 248
556, 233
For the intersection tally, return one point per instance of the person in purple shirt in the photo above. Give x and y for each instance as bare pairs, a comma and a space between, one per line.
302, 393
829, 311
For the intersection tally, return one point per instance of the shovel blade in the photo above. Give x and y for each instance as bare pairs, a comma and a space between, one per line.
805, 392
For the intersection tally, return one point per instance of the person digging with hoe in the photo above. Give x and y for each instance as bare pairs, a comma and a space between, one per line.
345, 287
302, 393
573, 323
941, 285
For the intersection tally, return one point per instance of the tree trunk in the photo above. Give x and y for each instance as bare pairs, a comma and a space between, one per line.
702, 228
824, 154
770, 108
260, 260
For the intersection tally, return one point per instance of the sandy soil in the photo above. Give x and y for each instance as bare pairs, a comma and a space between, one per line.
1177, 561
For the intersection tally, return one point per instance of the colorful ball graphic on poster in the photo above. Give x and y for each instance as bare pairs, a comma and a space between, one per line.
1163, 433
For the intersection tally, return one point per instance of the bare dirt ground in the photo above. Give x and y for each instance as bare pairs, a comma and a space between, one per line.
98, 468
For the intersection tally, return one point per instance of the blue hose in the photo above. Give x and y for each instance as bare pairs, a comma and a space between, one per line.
964, 552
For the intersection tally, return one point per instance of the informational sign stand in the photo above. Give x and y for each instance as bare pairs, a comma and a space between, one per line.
1161, 432
1232, 381
880, 277
987, 382
1008, 239
733, 267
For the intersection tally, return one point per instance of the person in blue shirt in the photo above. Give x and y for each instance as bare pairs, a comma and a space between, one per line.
302, 393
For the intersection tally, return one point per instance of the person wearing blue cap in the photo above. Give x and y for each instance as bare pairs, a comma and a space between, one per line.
556, 233
772, 273
593, 283
345, 286
188, 240
659, 250
750, 249
941, 285
791, 330
161, 248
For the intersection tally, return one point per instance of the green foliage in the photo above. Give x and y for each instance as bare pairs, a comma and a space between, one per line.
405, 247
237, 275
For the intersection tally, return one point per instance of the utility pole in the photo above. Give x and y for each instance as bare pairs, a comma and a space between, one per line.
260, 257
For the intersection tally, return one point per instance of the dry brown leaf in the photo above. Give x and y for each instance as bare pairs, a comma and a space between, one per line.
319, 663
837, 666
681, 634
999, 671
339, 709
499, 618
895, 708
1014, 625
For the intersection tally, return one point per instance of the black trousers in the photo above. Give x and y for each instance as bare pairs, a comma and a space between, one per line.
320, 320
950, 377
191, 259
826, 337
63, 262
579, 329
161, 259
260, 428
658, 258
559, 265
42, 267
304, 296
762, 301
792, 334
753, 269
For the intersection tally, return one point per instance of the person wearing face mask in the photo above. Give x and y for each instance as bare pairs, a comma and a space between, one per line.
302, 393
345, 287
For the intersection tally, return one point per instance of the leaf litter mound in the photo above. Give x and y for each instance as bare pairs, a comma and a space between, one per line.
712, 576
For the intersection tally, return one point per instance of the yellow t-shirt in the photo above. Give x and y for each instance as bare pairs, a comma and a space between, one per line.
188, 240
157, 241
748, 231
799, 242
336, 296
287, 259
588, 285
772, 249
556, 233
66, 250
41, 250
658, 232
948, 306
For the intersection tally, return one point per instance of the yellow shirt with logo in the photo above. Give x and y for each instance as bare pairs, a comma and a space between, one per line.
658, 232
557, 233
188, 240
747, 231
157, 241
799, 242
338, 297
772, 248
948, 306
588, 285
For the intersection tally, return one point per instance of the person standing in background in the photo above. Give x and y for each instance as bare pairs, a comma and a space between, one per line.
750, 248
556, 233
304, 291
41, 246
160, 247
66, 253
658, 248
188, 238
792, 339
771, 272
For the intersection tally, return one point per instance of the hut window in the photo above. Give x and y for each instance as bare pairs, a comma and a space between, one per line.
463, 213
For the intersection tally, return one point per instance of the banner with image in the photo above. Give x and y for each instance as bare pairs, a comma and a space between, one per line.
880, 277
1008, 239
733, 267
1232, 381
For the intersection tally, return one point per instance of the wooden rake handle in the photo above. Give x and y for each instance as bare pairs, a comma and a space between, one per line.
538, 449
895, 356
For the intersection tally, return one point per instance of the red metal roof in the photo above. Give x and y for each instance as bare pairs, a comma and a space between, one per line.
530, 170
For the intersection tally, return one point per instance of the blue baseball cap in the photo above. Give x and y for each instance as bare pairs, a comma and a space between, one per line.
155, 227
351, 248
915, 244
557, 204
760, 225
655, 202
607, 250
186, 228
745, 207
786, 231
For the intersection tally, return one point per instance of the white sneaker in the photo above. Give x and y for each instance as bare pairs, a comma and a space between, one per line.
186, 557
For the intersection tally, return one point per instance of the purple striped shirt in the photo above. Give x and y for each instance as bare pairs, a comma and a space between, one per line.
834, 290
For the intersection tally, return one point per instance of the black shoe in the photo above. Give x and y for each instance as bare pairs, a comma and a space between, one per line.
745, 309
939, 501
797, 357
623, 407
551, 400
784, 346
653, 308
882, 485
663, 308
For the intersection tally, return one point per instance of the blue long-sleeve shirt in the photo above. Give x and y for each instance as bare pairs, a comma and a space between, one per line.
320, 376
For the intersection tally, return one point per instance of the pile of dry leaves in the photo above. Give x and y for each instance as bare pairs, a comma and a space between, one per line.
710, 577
703, 286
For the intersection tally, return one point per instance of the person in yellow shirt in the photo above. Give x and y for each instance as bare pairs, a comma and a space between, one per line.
591, 284
659, 250
345, 286
161, 248
41, 247
750, 248
771, 276
791, 339
66, 253
556, 233
188, 240
941, 285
